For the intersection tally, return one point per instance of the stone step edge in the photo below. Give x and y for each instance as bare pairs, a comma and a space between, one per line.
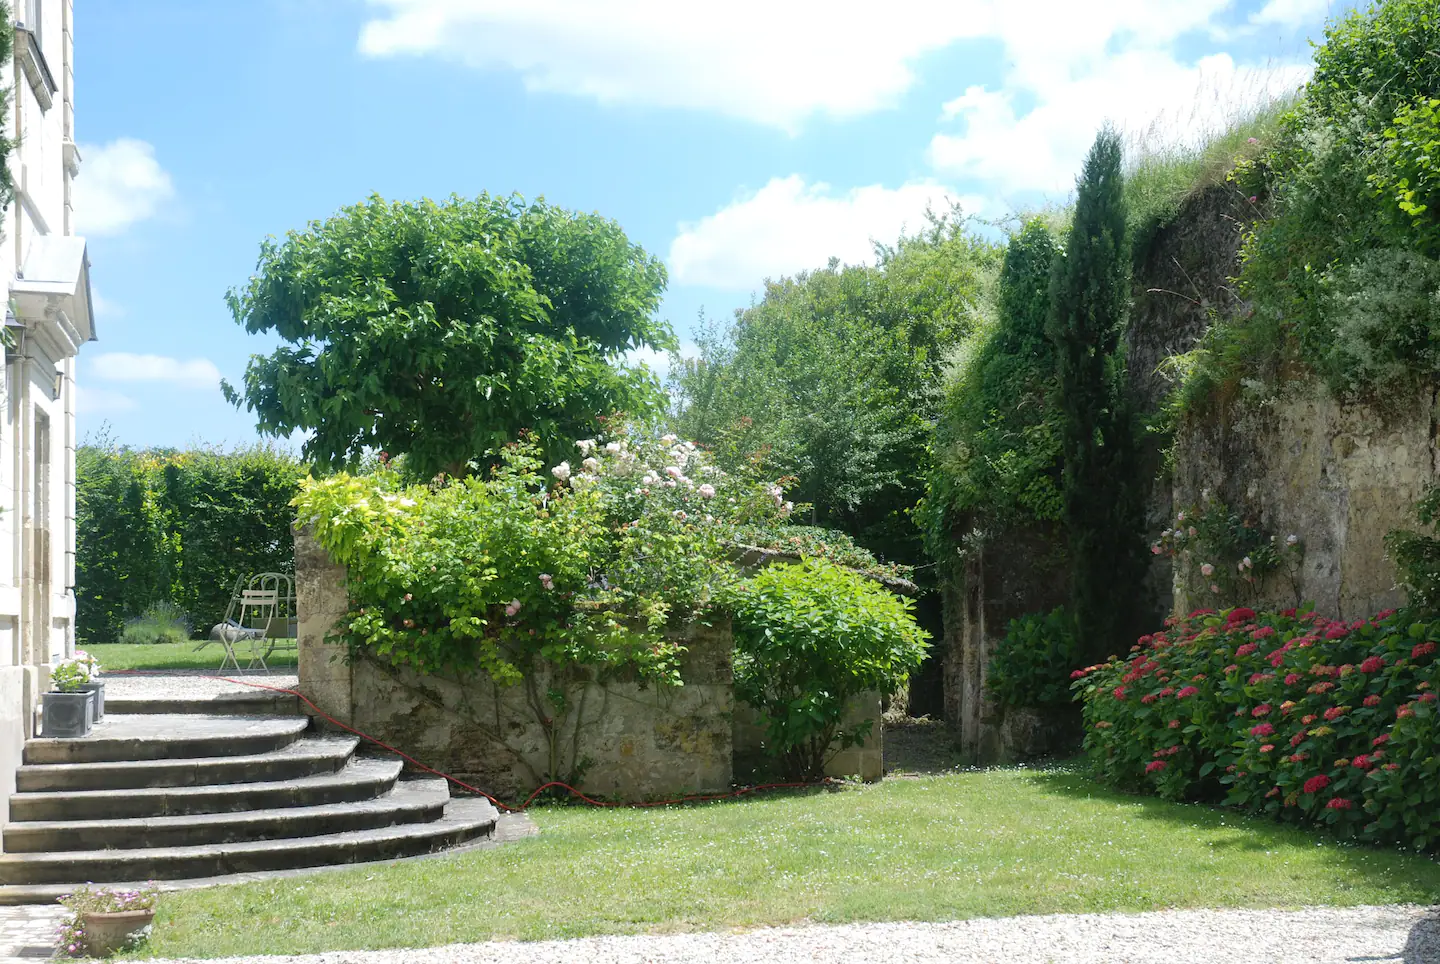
385, 772
509, 827
241, 704
412, 799
319, 747
458, 824
106, 748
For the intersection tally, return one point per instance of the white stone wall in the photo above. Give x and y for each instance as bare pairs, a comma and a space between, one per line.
37, 392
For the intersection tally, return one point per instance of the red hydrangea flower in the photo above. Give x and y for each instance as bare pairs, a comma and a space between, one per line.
1427, 697
1403, 711
1197, 677
1167, 691
1078, 674
1316, 783
1297, 757
1382, 738
1274, 792
1308, 719
1422, 649
1148, 698
1373, 699
1339, 803
1260, 677
1373, 664
1298, 738
1262, 710
1391, 766
1335, 712
1174, 724
1361, 762
1230, 669
1321, 687
1119, 692
1155, 765
1267, 748
1245, 650
1187, 691
1288, 612
1337, 632
1264, 729
1383, 615
1305, 642
1240, 615
1264, 632
1292, 678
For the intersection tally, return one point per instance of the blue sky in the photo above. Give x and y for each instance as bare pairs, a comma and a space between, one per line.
740, 141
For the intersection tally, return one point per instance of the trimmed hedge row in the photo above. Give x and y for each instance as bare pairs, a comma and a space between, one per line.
1304, 718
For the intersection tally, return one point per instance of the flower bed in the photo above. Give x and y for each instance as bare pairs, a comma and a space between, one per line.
1291, 714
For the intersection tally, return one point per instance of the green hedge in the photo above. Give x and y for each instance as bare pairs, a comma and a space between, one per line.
1303, 718
177, 527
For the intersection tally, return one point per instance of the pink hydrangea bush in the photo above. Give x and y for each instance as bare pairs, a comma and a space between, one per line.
1307, 719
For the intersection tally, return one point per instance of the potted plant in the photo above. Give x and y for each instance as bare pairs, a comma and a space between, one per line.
105, 921
95, 685
68, 709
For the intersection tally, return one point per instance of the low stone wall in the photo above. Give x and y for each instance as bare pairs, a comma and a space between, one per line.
620, 737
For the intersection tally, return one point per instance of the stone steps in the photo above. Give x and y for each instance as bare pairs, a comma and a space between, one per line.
463, 820
360, 780
169, 737
409, 802
305, 757
176, 796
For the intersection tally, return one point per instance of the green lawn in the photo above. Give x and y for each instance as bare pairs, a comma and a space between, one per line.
115, 657
990, 843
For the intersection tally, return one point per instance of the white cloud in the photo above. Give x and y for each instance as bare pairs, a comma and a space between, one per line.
101, 401
120, 183
774, 63
103, 308
659, 361
1293, 13
789, 225
1146, 92
121, 366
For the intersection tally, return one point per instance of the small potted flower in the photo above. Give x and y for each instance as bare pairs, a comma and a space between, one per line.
95, 686
103, 921
68, 709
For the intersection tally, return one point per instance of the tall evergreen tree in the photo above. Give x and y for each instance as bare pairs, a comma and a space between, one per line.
1089, 299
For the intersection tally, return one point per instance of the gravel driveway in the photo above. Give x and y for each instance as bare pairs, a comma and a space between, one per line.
1311, 936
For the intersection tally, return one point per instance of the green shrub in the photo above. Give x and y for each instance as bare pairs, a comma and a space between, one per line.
162, 622
808, 639
1303, 718
1417, 555
1031, 666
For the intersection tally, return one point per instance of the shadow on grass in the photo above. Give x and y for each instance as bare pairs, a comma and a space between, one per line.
1260, 833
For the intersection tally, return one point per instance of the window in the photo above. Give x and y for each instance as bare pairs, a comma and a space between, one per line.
33, 16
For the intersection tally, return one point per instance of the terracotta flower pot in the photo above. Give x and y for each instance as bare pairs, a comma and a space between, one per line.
108, 932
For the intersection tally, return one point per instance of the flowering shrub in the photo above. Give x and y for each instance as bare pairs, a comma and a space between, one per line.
1030, 665
586, 563
808, 639
1229, 553
1291, 714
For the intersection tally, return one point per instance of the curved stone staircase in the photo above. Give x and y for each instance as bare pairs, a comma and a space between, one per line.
170, 796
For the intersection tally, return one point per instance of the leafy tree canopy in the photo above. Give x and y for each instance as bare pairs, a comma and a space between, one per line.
443, 330
834, 378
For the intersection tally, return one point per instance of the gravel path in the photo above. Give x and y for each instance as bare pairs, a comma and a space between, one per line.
1318, 935
188, 685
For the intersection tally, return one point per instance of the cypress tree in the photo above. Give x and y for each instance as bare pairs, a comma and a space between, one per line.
1089, 299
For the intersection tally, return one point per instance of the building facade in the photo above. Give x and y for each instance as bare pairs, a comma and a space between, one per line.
48, 318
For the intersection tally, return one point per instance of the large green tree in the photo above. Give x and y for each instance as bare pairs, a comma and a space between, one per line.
1089, 301
443, 330
834, 378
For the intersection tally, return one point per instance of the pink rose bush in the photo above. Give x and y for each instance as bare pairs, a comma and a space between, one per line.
1357, 716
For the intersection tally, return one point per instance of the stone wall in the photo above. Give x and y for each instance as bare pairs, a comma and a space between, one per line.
620, 737
1021, 571
864, 760
1338, 476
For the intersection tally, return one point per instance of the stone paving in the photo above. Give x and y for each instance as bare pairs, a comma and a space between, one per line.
27, 933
